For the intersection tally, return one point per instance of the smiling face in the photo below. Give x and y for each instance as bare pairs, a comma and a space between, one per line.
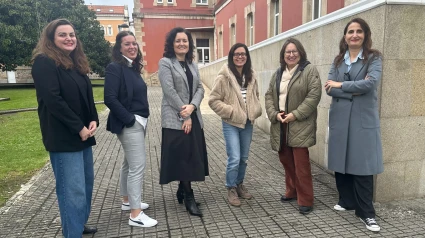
65, 38
129, 47
239, 57
354, 36
292, 55
181, 44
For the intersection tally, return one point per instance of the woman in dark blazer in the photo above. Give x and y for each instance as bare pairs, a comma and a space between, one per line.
68, 121
355, 150
183, 148
127, 98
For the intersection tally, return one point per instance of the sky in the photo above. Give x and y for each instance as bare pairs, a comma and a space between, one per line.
130, 4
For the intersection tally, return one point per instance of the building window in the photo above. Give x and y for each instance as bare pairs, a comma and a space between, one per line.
203, 2
317, 6
232, 34
98, 10
169, 1
250, 30
111, 10
102, 28
276, 12
159, 1
110, 31
203, 50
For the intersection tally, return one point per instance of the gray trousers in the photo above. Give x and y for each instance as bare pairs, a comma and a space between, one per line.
133, 166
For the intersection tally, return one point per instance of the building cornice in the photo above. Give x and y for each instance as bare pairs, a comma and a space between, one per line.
338, 15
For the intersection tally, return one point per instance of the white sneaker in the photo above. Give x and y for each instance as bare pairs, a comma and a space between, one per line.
371, 224
125, 206
339, 208
142, 220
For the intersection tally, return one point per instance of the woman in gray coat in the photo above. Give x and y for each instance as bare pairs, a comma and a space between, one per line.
183, 148
355, 151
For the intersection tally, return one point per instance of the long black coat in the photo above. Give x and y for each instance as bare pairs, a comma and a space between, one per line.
59, 95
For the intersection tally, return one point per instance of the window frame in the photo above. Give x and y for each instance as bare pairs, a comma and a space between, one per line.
316, 9
201, 2
276, 17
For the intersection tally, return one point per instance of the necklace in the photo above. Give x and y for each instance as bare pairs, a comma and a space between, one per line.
183, 65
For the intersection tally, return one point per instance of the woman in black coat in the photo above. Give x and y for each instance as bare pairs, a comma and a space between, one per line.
68, 121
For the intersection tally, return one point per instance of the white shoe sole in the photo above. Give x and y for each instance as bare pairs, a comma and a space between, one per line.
133, 223
375, 229
126, 207
339, 208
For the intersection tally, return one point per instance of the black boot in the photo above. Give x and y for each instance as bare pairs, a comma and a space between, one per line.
180, 194
190, 203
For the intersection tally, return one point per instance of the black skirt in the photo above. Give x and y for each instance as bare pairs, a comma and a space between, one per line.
184, 156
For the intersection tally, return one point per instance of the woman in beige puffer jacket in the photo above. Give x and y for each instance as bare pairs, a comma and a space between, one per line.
291, 105
235, 99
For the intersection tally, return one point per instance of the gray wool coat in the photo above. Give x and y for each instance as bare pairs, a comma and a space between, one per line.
175, 88
354, 129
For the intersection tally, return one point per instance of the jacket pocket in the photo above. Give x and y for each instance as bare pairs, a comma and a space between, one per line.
370, 117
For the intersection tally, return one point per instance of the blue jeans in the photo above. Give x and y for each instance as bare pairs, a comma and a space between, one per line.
74, 186
238, 141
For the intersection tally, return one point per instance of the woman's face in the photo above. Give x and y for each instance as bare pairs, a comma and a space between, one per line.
292, 56
129, 47
65, 38
354, 36
239, 57
181, 44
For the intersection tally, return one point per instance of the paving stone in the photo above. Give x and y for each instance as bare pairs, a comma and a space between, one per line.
35, 213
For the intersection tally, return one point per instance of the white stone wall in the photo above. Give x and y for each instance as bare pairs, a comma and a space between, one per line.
396, 32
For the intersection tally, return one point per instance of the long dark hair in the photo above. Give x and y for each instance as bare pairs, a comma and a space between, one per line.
169, 44
46, 46
300, 49
117, 56
246, 70
367, 42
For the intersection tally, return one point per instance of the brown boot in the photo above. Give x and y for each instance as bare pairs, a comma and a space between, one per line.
243, 192
232, 196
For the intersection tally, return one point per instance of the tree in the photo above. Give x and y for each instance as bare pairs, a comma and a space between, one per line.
22, 21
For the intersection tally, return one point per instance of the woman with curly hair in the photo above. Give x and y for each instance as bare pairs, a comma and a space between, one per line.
183, 148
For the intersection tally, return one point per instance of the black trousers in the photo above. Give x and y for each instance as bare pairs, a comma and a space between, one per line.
356, 193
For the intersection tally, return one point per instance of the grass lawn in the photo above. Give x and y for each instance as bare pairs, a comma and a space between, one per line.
26, 98
22, 152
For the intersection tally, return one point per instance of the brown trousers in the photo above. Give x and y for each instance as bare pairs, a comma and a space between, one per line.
299, 182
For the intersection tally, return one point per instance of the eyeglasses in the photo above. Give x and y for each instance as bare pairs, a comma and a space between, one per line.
294, 52
237, 55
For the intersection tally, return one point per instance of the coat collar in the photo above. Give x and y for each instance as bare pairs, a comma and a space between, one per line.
77, 79
179, 68
226, 72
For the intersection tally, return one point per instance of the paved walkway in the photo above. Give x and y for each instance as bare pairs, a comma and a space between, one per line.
33, 212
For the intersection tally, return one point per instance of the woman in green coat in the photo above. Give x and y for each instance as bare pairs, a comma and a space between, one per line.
291, 106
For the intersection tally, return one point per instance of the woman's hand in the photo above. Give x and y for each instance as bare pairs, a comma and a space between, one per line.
280, 116
92, 128
289, 117
187, 110
84, 134
187, 126
332, 84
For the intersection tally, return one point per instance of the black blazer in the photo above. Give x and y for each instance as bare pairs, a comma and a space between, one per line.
118, 96
59, 95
